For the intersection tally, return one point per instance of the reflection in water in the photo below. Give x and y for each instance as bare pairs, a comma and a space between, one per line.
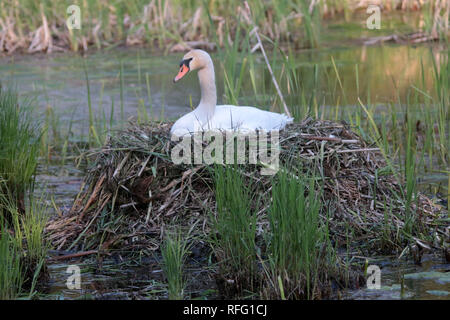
431, 280
59, 81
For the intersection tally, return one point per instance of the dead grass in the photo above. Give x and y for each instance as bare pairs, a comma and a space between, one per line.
175, 24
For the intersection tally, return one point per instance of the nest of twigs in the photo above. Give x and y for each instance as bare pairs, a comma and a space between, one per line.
134, 190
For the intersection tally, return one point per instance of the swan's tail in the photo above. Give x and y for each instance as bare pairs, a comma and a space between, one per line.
284, 121
288, 119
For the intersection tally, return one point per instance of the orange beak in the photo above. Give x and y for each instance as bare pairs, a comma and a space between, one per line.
183, 71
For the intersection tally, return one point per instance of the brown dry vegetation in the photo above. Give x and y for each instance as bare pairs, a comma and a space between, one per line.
135, 190
40, 26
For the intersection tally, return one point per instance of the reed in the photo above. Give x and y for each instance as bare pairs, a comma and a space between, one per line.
234, 236
32, 229
37, 26
174, 250
25, 251
297, 240
20, 142
11, 277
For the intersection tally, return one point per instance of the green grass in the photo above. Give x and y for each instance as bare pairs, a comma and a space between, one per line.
25, 251
234, 227
30, 245
11, 277
19, 145
32, 224
297, 238
174, 250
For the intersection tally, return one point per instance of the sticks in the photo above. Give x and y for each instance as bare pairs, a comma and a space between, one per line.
93, 196
75, 255
328, 139
358, 150
319, 138
260, 45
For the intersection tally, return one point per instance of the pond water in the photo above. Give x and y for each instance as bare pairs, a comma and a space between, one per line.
58, 82
120, 280
430, 280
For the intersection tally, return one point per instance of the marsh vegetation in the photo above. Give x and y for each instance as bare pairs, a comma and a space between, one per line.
222, 231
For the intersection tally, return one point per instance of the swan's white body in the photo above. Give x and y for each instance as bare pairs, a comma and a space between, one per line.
208, 116
228, 117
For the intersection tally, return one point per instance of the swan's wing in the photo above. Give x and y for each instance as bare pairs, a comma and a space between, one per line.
236, 117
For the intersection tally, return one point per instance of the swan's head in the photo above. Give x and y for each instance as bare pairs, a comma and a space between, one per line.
193, 60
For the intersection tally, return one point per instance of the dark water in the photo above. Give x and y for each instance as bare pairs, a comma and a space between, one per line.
430, 280
399, 280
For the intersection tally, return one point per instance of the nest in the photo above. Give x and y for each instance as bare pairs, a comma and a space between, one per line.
134, 190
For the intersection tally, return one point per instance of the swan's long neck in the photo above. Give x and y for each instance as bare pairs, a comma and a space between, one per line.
208, 100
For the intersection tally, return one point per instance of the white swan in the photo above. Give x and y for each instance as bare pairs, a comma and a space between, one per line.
208, 116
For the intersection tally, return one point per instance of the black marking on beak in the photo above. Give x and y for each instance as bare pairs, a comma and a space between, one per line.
186, 62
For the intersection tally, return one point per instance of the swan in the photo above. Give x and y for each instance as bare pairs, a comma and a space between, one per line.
209, 116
